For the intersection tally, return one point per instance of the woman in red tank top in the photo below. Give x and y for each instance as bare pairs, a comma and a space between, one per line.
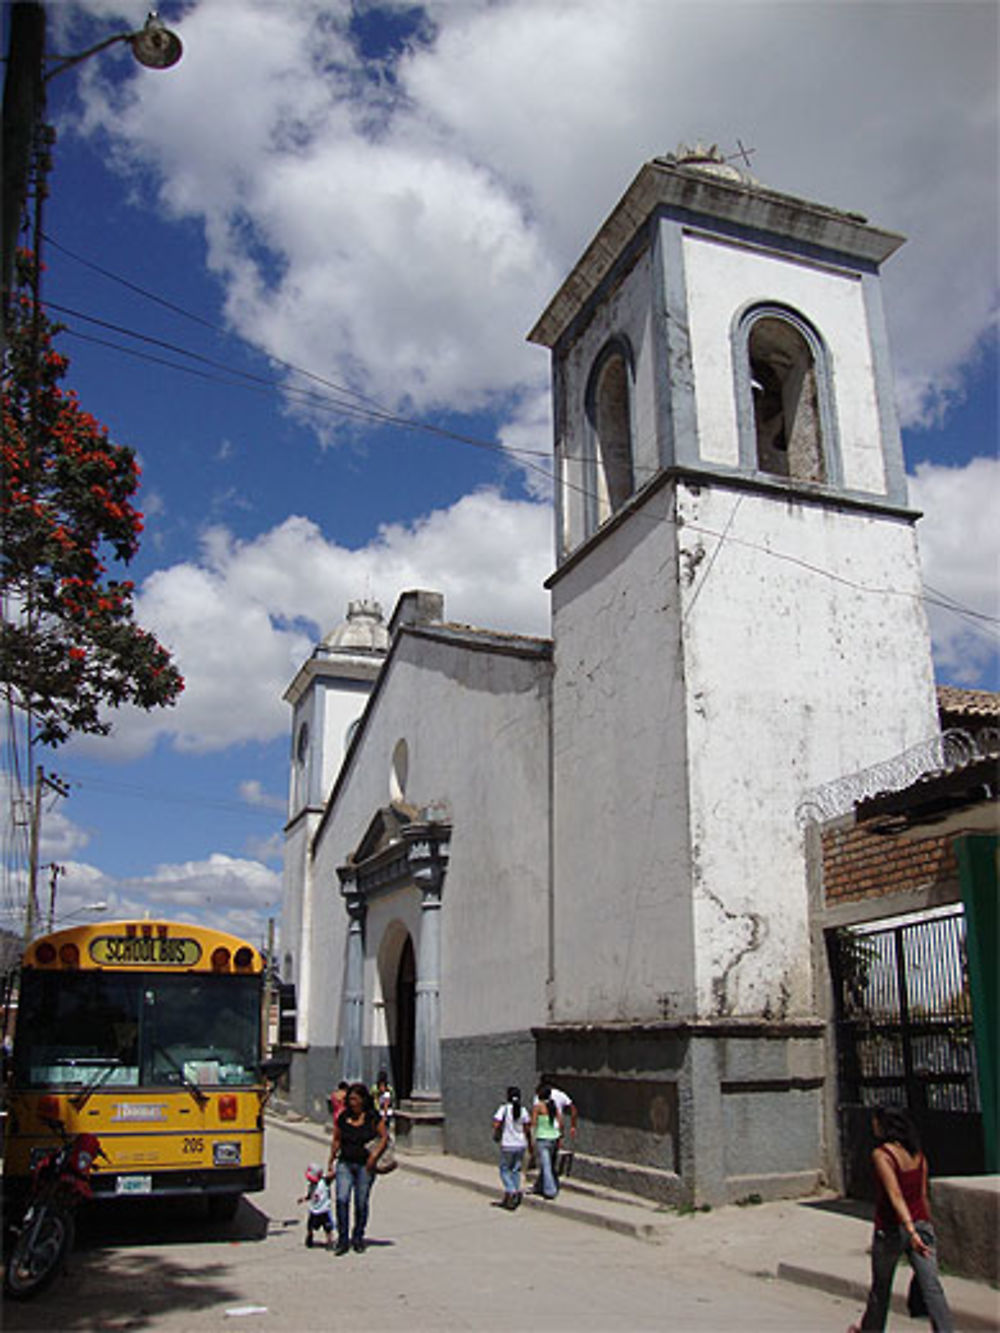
902, 1222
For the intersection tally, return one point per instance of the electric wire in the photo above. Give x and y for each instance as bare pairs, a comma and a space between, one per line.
378, 415
264, 388
381, 415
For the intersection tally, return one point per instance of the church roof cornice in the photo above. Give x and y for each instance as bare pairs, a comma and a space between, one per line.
664, 186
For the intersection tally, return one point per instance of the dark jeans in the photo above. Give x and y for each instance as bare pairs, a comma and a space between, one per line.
352, 1176
888, 1247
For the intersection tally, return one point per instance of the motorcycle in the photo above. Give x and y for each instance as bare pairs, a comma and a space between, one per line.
60, 1181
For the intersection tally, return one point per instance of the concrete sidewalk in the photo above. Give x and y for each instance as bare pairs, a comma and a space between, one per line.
820, 1242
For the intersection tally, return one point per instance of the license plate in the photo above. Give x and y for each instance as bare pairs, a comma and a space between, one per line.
134, 1185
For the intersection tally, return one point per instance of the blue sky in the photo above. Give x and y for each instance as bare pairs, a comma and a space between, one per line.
386, 197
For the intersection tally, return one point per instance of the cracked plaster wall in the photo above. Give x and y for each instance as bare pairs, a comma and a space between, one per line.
794, 679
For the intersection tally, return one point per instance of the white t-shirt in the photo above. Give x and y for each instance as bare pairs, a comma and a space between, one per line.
563, 1101
513, 1136
319, 1197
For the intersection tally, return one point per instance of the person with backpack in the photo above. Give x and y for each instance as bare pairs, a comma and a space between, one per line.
511, 1129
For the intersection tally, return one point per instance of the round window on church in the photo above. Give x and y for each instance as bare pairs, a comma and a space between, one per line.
399, 772
302, 744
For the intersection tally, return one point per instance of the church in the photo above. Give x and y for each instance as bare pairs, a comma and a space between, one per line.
580, 853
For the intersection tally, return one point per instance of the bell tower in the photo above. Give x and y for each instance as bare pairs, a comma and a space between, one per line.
327, 696
737, 618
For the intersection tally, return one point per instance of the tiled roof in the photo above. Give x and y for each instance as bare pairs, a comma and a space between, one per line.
968, 703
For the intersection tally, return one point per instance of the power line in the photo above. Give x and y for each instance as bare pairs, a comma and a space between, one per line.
378, 415
722, 536
374, 411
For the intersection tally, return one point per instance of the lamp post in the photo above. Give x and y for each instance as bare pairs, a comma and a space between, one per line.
153, 46
26, 140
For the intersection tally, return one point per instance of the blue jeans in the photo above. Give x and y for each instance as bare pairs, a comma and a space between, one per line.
545, 1151
888, 1247
352, 1176
510, 1169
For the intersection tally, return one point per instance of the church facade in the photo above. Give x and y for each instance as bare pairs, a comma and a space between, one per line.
581, 854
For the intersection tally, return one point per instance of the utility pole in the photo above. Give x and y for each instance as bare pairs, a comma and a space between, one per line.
31, 913
54, 872
36, 822
23, 108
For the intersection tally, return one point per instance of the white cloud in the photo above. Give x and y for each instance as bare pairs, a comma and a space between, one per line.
960, 550
254, 794
402, 236
243, 618
227, 892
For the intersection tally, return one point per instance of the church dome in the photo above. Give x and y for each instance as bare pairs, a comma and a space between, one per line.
364, 630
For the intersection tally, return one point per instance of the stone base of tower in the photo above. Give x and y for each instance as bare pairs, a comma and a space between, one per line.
707, 1112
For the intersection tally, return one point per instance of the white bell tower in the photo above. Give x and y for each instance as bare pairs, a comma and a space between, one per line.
737, 618
328, 696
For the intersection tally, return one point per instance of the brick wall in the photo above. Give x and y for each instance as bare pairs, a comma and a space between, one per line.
859, 864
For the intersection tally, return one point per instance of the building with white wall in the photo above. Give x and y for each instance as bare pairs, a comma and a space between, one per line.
581, 853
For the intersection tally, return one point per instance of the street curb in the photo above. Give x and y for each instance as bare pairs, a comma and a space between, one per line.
654, 1233
649, 1232
835, 1285
645, 1231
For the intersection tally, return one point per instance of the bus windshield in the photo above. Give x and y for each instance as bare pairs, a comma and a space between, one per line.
79, 1029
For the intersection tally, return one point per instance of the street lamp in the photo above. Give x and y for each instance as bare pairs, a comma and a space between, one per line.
153, 45
79, 911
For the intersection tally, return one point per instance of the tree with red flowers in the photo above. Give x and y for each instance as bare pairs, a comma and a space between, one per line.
70, 647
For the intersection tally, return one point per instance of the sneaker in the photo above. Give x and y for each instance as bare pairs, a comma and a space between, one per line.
342, 1248
359, 1247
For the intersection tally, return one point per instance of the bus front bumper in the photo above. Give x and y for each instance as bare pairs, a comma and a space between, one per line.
176, 1184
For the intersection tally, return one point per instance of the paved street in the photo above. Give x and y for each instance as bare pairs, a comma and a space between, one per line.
440, 1258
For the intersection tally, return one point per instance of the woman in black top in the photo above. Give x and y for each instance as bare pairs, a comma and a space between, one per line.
359, 1140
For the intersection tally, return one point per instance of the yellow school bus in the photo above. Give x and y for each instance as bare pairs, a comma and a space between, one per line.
147, 1034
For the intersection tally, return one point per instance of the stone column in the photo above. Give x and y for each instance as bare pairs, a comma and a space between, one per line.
428, 860
352, 1053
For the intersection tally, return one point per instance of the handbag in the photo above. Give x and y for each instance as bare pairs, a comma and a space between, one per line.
387, 1162
498, 1125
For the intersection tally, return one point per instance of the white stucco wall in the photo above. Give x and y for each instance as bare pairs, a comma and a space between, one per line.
722, 278
626, 313
679, 868
623, 939
795, 676
475, 728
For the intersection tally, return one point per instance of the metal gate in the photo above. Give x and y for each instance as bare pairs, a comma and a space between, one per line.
903, 1012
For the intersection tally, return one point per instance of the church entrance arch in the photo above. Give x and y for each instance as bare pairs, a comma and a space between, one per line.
398, 977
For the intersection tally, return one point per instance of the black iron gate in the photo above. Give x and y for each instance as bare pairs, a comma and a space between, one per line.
903, 1013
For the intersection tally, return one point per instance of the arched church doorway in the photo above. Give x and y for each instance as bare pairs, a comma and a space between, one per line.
406, 1009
